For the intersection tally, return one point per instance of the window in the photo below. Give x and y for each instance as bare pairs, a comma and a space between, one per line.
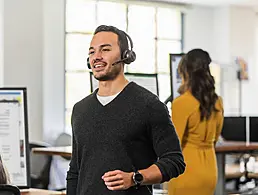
111, 13
155, 31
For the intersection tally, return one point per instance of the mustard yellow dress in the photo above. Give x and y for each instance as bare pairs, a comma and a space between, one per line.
197, 141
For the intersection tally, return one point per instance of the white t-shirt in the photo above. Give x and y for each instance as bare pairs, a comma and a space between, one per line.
104, 100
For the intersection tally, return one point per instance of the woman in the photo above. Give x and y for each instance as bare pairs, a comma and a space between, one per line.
197, 115
4, 177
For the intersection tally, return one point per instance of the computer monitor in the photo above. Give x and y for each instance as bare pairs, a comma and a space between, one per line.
253, 129
14, 148
175, 79
148, 81
234, 129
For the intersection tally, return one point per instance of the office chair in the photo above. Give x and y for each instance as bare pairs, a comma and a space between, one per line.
6, 189
40, 166
64, 139
60, 164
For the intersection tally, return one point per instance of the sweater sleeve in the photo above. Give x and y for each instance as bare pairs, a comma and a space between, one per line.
165, 142
72, 174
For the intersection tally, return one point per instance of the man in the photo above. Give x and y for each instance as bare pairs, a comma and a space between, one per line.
123, 137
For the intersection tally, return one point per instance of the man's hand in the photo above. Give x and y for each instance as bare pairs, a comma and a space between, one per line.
118, 180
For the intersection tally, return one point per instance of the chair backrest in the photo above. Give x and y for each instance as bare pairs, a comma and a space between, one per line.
6, 189
37, 161
64, 139
40, 166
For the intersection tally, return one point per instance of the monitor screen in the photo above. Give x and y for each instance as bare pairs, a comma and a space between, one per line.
14, 148
234, 129
148, 81
253, 129
174, 75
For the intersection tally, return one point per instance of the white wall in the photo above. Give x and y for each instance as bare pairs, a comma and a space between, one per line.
1, 43
33, 57
227, 32
243, 43
53, 68
221, 35
23, 55
198, 28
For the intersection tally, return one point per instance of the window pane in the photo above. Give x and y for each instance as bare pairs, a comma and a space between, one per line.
80, 16
169, 23
145, 56
141, 21
165, 47
77, 87
164, 86
110, 13
143, 40
77, 48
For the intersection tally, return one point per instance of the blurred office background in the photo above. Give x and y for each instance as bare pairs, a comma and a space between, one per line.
44, 46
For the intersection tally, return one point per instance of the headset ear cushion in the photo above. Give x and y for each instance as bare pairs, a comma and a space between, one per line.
88, 63
129, 56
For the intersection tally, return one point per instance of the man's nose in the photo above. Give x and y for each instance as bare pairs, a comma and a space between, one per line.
98, 55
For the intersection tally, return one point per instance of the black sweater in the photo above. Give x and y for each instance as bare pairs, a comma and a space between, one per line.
130, 133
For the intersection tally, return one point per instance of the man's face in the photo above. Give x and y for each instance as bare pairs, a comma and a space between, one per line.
103, 52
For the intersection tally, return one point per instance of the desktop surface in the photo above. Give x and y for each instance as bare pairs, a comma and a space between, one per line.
33, 191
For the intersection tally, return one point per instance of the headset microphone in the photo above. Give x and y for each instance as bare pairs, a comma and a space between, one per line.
118, 62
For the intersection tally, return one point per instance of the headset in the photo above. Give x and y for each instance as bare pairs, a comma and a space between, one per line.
128, 56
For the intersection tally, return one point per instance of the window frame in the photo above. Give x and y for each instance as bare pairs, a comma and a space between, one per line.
127, 69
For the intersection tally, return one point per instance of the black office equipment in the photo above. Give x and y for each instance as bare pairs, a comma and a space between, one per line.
234, 128
253, 129
14, 148
6, 189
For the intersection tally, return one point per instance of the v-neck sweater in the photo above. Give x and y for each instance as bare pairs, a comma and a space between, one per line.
130, 133
104, 100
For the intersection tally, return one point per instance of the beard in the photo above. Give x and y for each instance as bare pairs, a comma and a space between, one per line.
109, 76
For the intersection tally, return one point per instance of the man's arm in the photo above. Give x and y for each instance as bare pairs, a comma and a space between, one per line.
72, 174
119, 180
166, 144
151, 175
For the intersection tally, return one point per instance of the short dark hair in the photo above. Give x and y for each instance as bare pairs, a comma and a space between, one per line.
122, 39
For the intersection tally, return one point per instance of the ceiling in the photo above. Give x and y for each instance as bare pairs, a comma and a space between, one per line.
216, 2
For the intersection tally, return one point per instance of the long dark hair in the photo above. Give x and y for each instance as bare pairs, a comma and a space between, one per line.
195, 70
3, 175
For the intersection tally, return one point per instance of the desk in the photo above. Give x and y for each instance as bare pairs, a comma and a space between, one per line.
226, 148
60, 150
32, 191
221, 150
